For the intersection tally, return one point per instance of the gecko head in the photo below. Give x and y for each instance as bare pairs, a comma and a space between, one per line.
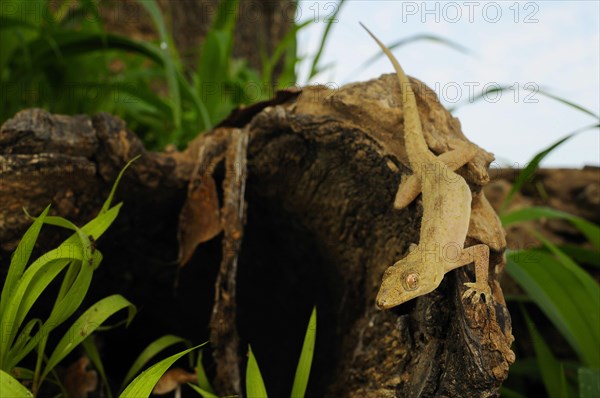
406, 280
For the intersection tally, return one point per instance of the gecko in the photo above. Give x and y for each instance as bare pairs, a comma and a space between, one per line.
446, 201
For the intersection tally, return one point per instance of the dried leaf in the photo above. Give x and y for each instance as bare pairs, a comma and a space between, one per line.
79, 381
173, 379
199, 220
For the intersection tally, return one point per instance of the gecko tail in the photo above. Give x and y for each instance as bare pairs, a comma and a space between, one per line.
416, 146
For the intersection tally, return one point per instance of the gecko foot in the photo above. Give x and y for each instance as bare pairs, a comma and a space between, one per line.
475, 290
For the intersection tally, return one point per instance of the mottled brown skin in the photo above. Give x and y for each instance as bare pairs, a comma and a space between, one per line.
446, 214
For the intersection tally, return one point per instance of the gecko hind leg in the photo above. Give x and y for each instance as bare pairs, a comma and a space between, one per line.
480, 255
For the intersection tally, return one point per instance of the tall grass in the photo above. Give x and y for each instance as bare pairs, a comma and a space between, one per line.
64, 62
562, 289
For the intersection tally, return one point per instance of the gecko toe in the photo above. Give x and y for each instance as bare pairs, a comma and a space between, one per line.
475, 291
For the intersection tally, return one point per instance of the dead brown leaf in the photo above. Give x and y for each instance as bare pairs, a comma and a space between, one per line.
79, 381
199, 219
172, 379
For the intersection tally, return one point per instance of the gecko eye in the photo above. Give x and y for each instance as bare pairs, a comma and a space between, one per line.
411, 281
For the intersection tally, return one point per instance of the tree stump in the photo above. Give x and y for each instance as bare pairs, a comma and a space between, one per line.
305, 187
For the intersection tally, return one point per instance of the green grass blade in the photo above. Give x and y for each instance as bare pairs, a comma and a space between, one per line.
226, 15
289, 51
543, 92
199, 106
73, 44
150, 352
527, 173
255, 386
590, 230
20, 258
289, 40
92, 352
412, 39
581, 255
31, 285
213, 73
569, 103
203, 381
72, 294
589, 382
24, 336
142, 386
314, 68
561, 296
23, 373
10, 387
8, 23
169, 56
306, 356
109, 200
202, 392
85, 325
506, 392
585, 279
552, 371
18, 37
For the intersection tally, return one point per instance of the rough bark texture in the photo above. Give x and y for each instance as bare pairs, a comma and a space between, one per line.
306, 186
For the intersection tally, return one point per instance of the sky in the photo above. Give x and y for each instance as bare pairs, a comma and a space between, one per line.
533, 47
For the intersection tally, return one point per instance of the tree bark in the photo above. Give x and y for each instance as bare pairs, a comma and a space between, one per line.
306, 184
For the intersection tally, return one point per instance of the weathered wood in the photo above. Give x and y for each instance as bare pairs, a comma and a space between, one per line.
322, 171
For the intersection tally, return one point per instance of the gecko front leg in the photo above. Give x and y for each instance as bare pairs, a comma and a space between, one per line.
480, 256
410, 188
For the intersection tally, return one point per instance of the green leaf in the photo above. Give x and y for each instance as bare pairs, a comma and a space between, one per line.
255, 386
13, 23
288, 48
306, 356
203, 393
561, 296
203, 382
72, 44
412, 39
92, 351
72, 295
506, 392
585, 279
226, 16
288, 41
543, 92
213, 73
527, 173
10, 387
108, 201
85, 325
552, 371
24, 336
142, 386
589, 382
314, 68
168, 55
581, 255
30, 286
590, 230
39, 275
150, 352
20, 258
